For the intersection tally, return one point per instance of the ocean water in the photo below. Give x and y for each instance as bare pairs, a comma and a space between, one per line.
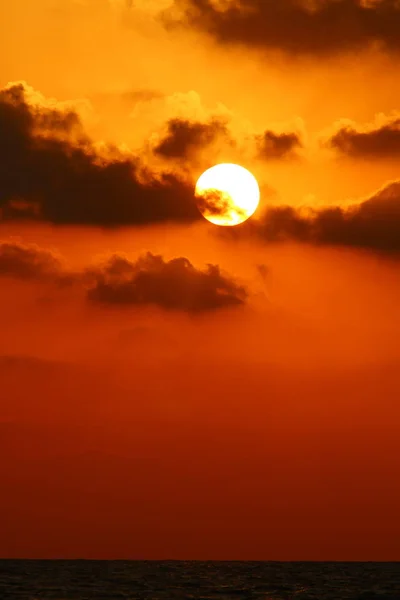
161, 580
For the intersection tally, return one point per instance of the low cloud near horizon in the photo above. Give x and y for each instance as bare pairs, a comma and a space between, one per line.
117, 281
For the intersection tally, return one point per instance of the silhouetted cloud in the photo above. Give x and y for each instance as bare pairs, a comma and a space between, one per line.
376, 140
185, 138
296, 26
30, 262
216, 203
373, 224
274, 145
149, 280
173, 285
49, 169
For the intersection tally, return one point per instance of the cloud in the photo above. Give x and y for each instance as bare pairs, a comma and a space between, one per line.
295, 26
216, 203
380, 139
30, 262
182, 129
373, 224
172, 285
197, 141
118, 281
50, 169
184, 138
275, 145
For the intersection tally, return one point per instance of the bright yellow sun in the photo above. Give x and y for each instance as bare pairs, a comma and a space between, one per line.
227, 194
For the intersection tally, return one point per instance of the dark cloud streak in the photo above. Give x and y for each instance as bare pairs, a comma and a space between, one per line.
150, 280
297, 26
172, 285
372, 225
30, 262
213, 202
380, 140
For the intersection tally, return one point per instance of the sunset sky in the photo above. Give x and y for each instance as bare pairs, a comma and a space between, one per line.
174, 389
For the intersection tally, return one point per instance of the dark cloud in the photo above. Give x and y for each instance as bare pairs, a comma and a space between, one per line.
30, 262
273, 145
150, 280
373, 224
379, 140
215, 203
185, 138
49, 169
173, 285
297, 26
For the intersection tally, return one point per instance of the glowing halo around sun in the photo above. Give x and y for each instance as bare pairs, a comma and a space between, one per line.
227, 194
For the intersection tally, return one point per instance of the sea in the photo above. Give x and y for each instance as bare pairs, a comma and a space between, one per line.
178, 580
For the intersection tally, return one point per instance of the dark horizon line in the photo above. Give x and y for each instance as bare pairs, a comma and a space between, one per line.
200, 560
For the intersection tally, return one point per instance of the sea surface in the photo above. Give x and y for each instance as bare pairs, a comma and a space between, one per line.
148, 580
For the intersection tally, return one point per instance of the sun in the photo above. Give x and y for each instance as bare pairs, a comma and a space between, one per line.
227, 194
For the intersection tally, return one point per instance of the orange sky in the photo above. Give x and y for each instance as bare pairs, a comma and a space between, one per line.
160, 408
